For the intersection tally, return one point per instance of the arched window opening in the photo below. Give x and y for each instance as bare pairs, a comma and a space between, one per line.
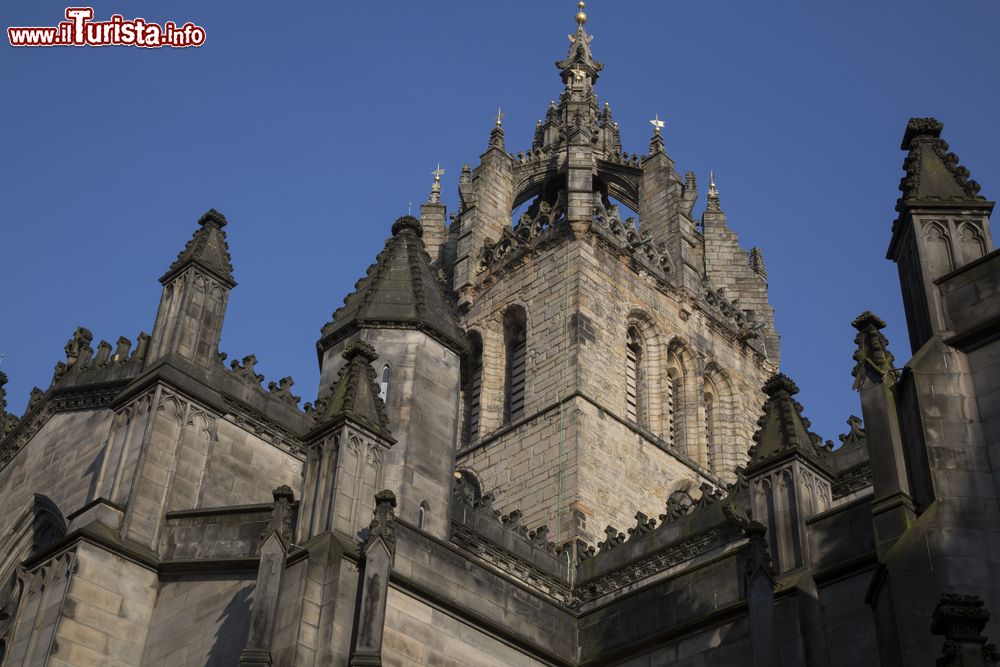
422, 515
634, 379
515, 337
473, 385
383, 386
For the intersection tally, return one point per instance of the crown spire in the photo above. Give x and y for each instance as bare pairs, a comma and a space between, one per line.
579, 62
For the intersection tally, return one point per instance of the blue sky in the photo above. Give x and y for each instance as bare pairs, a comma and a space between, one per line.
312, 126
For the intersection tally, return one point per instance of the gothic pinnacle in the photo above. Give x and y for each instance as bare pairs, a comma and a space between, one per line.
656, 143
713, 193
496, 135
435, 197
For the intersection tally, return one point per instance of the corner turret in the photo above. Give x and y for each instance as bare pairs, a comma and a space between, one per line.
195, 292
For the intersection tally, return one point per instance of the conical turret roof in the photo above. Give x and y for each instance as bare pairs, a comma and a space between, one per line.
400, 290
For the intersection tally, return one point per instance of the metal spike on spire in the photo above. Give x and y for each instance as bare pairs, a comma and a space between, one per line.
657, 123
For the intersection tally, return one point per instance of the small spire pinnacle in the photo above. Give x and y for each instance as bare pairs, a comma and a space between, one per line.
656, 143
436, 186
713, 193
496, 135
581, 17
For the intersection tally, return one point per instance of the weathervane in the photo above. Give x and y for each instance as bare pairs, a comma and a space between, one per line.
436, 187
657, 124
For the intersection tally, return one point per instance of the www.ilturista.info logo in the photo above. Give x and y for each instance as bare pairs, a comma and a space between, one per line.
80, 30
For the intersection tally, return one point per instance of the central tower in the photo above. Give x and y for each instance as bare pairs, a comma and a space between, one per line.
612, 360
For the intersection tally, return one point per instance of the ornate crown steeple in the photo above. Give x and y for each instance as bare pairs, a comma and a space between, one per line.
579, 61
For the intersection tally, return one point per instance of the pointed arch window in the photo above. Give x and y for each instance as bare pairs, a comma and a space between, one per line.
516, 340
383, 385
634, 394
473, 386
422, 515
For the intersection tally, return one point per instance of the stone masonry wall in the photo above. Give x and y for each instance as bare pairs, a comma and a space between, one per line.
200, 620
62, 462
579, 300
417, 634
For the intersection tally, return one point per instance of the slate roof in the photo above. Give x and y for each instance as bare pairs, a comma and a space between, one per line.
400, 290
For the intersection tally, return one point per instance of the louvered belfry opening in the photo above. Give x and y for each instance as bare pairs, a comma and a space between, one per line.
633, 365
516, 340
473, 386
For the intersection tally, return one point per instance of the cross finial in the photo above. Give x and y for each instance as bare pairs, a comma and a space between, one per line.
657, 124
500, 115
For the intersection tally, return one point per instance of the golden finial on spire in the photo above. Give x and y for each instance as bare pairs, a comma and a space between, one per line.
499, 116
712, 192
581, 18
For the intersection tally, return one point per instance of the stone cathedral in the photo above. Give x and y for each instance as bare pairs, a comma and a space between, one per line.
550, 429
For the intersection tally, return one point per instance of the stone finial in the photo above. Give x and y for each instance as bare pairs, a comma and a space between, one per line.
855, 434
283, 389
407, 222
383, 525
778, 383
613, 539
246, 371
961, 620
208, 249
872, 352
281, 514
78, 348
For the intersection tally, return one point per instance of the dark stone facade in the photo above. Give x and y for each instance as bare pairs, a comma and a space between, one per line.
557, 440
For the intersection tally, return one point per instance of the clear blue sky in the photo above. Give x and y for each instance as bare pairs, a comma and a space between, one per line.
312, 125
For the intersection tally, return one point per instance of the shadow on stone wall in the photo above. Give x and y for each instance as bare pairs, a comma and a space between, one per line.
234, 626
